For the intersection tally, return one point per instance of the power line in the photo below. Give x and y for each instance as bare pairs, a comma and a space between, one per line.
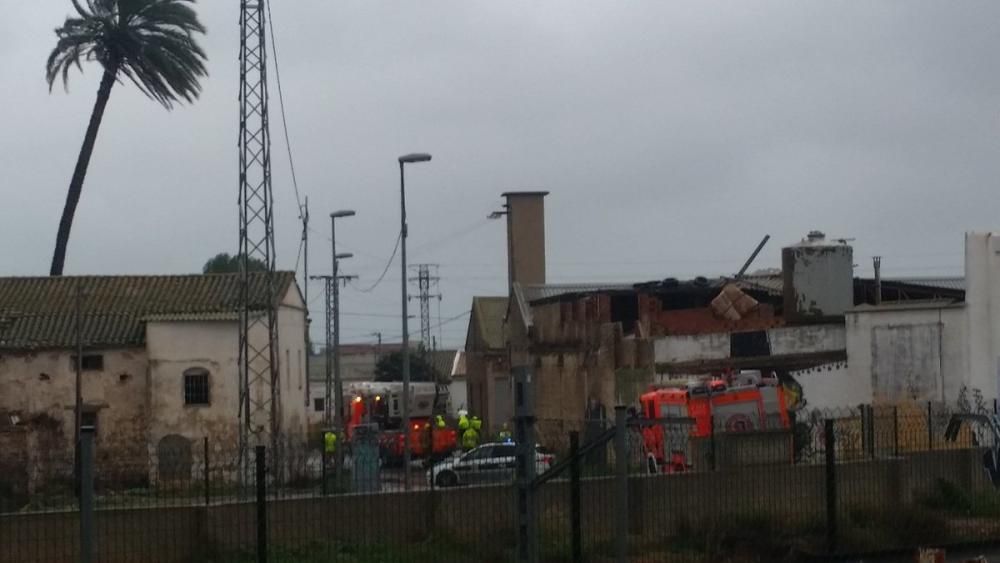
384, 271
281, 104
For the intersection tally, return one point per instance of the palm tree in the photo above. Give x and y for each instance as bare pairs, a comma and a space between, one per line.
151, 42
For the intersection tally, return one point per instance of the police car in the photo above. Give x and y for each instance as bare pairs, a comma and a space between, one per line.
489, 463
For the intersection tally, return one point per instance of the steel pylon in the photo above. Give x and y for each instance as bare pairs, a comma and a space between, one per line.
260, 417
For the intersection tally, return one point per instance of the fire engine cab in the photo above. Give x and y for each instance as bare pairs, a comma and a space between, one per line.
381, 404
675, 414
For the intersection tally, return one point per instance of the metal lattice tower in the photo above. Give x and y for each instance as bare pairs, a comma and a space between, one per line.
258, 354
330, 312
425, 281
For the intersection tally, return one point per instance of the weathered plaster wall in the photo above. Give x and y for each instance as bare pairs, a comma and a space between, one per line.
43, 385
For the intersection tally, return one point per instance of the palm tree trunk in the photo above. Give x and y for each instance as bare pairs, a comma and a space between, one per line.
80, 172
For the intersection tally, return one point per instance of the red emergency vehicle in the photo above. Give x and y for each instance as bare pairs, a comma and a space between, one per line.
381, 403
743, 402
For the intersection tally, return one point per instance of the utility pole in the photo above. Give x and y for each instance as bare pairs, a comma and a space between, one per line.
78, 365
328, 351
424, 281
333, 388
378, 347
304, 213
877, 263
260, 420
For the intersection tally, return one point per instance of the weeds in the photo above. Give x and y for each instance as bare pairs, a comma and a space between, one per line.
952, 498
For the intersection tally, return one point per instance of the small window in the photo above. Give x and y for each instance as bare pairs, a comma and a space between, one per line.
318, 405
91, 362
196, 387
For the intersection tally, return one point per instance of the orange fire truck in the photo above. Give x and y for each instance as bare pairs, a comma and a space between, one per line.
381, 403
676, 414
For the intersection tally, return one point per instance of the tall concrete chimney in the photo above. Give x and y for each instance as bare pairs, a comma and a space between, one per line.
525, 237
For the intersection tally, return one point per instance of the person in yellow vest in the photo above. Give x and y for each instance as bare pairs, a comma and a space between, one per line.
463, 420
329, 443
439, 421
476, 424
470, 439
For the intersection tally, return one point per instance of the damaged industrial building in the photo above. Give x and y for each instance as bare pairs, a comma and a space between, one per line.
831, 338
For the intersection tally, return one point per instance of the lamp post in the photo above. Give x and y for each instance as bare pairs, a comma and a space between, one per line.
404, 160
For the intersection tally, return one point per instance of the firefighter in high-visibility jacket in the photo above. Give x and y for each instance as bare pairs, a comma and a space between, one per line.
469, 426
439, 422
329, 443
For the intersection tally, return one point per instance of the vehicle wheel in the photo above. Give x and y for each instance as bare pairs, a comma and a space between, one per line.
446, 479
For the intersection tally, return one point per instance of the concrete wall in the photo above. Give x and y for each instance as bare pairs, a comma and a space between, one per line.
907, 354
784, 341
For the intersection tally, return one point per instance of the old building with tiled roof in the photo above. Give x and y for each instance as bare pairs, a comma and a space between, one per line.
160, 360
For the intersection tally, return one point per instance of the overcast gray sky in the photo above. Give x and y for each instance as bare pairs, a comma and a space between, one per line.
672, 136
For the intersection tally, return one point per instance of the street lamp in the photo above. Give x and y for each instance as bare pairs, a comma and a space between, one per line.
338, 382
404, 160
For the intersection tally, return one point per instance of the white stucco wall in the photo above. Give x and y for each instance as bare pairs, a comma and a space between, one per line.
175, 346
982, 297
908, 354
458, 395
292, 341
831, 386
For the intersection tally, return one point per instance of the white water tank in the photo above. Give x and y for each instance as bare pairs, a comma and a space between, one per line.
818, 279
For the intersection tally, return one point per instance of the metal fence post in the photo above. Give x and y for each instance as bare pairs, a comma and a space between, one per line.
524, 424
930, 426
206, 473
895, 431
323, 469
86, 494
711, 437
831, 486
574, 496
621, 486
261, 477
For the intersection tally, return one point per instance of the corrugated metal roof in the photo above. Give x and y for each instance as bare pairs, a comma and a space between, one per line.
538, 292
914, 305
40, 312
954, 283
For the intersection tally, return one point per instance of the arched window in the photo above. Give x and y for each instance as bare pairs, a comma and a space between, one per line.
196, 387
